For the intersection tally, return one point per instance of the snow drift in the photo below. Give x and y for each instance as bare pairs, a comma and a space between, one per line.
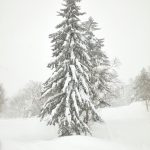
125, 128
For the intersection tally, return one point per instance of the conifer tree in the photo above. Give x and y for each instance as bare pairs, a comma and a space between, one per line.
101, 74
68, 90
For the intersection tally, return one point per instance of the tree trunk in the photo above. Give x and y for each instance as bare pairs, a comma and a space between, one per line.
146, 102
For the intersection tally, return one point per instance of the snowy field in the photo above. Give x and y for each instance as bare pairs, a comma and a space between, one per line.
125, 128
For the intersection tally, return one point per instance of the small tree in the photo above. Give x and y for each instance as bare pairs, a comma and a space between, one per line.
142, 87
68, 90
26, 102
2, 98
32, 95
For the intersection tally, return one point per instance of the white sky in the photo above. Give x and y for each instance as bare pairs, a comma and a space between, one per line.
26, 24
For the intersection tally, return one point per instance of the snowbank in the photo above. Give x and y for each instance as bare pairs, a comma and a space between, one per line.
128, 125
26, 130
65, 143
125, 128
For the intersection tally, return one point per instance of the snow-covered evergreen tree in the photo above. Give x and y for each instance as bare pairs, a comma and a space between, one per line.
68, 90
102, 74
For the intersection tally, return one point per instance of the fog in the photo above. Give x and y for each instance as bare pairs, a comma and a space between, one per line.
25, 47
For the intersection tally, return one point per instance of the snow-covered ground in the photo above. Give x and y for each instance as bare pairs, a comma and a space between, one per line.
125, 128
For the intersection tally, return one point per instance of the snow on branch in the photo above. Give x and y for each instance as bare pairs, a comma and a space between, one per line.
79, 65
73, 70
72, 55
78, 95
67, 111
68, 79
55, 74
51, 98
85, 85
75, 102
54, 111
84, 96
